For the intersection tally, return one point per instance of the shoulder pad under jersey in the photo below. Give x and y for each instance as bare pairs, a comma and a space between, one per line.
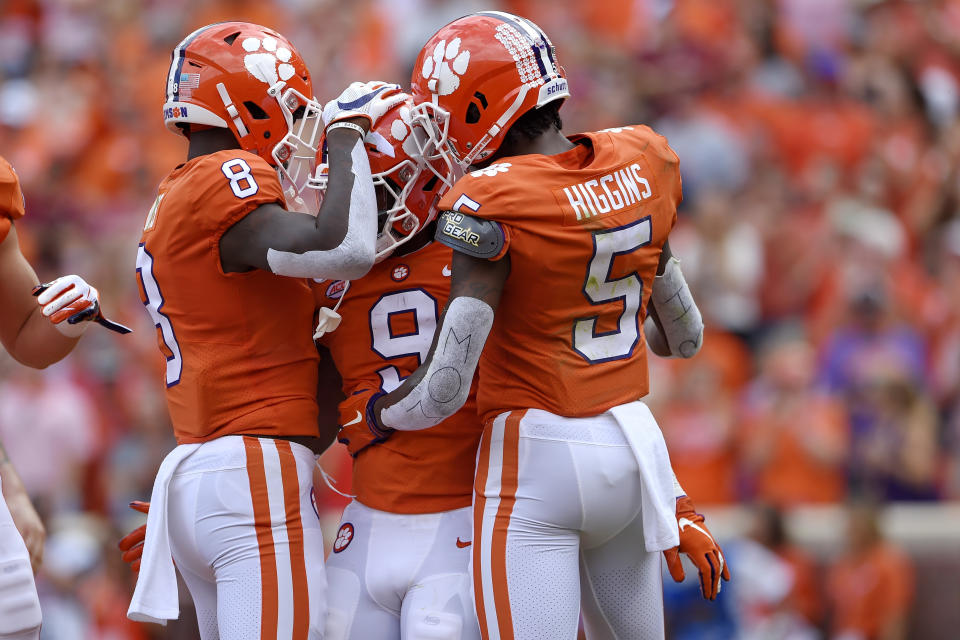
467, 234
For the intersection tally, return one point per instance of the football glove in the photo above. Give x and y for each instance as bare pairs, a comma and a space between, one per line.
70, 298
697, 543
132, 544
370, 100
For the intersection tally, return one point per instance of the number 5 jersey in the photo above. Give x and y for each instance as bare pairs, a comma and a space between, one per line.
584, 230
237, 347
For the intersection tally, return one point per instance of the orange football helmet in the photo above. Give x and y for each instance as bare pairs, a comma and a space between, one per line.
476, 76
251, 80
409, 176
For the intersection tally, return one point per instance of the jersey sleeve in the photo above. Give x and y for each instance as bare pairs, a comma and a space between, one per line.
233, 183
11, 198
477, 213
667, 164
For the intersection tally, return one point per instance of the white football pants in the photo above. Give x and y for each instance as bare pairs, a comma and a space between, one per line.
558, 530
19, 604
246, 539
401, 576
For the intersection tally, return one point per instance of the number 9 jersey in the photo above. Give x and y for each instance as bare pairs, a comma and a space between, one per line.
584, 230
389, 318
239, 356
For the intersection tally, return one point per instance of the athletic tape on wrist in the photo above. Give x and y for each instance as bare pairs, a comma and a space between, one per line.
343, 124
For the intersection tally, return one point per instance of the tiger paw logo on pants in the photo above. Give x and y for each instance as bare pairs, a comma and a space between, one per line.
269, 64
444, 68
344, 537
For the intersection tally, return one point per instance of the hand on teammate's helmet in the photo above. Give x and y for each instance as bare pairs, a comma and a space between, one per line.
370, 100
697, 543
72, 299
132, 544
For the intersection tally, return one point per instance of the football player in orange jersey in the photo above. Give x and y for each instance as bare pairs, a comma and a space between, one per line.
222, 266
560, 250
37, 330
399, 567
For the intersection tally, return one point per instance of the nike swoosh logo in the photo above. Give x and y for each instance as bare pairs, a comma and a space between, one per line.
684, 523
362, 100
355, 420
463, 545
446, 270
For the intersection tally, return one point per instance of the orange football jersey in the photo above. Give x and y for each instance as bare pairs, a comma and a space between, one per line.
11, 198
238, 348
389, 318
583, 230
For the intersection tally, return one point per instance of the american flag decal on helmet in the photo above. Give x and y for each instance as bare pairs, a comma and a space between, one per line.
188, 82
175, 75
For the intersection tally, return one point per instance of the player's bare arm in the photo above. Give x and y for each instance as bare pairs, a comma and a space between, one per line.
24, 332
340, 241
329, 396
674, 326
439, 387
21, 510
271, 230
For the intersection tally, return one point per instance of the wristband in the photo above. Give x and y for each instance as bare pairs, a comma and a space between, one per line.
343, 124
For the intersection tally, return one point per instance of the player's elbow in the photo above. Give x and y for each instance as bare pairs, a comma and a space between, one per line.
35, 358
679, 331
357, 263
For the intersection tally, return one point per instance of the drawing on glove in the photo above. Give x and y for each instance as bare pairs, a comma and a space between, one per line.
270, 64
445, 66
492, 170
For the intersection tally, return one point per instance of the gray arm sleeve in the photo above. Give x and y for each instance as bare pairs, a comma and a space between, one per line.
355, 254
446, 385
678, 313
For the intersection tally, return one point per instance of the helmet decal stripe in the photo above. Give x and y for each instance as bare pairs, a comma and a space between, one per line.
176, 64
538, 39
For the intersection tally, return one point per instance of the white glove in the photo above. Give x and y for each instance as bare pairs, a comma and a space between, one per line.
68, 298
369, 100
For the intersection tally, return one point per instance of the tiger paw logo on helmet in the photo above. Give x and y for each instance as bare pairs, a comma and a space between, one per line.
492, 170
444, 68
400, 130
269, 65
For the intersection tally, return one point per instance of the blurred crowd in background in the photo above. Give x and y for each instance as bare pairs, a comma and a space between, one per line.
820, 232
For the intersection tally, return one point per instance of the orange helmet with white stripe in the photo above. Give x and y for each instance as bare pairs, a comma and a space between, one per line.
476, 76
248, 79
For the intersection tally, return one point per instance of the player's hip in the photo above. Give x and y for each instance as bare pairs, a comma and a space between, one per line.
537, 470
390, 554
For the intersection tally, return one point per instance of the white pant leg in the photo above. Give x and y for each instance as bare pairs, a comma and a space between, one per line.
364, 600
526, 540
401, 576
621, 587
558, 492
19, 605
249, 535
438, 604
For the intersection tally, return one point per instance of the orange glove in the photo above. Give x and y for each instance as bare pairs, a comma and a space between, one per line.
132, 543
698, 544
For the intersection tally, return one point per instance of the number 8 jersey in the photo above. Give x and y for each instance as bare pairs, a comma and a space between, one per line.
236, 347
583, 230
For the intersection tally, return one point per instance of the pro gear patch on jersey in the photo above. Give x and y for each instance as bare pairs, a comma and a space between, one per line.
472, 236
